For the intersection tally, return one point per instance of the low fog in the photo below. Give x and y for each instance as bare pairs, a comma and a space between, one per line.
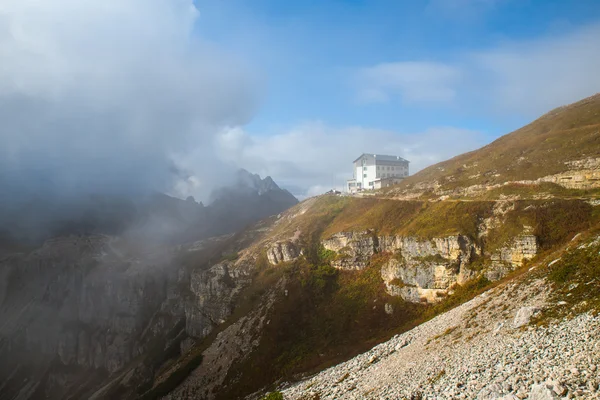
111, 97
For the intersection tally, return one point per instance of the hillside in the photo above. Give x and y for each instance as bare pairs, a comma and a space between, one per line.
511, 342
562, 147
93, 287
431, 271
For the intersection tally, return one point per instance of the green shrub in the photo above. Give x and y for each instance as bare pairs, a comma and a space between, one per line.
273, 396
326, 256
231, 256
320, 279
579, 265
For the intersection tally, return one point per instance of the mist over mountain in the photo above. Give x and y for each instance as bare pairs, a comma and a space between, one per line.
90, 108
153, 216
153, 247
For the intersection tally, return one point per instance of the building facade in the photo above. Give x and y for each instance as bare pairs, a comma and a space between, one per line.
375, 171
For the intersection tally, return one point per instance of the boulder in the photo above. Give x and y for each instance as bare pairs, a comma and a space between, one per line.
541, 392
523, 316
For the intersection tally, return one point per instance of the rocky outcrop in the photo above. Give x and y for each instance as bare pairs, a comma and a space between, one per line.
283, 251
425, 270
582, 174
213, 292
420, 269
507, 258
354, 249
455, 247
425, 282
524, 316
231, 346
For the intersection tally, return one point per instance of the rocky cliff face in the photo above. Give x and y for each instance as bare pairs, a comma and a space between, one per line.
354, 249
283, 251
230, 347
212, 294
425, 270
79, 303
82, 310
520, 248
581, 174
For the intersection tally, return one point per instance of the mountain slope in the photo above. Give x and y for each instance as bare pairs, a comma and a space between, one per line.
344, 274
230, 317
564, 140
121, 285
491, 347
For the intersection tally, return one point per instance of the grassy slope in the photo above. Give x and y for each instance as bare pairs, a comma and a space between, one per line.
331, 315
536, 150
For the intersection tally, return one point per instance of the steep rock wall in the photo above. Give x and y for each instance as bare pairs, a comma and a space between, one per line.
511, 256
425, 270
90, 308
283, 251
354, 249
212, 297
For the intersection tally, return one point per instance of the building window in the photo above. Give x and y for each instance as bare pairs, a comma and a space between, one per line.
364, 168
364, 175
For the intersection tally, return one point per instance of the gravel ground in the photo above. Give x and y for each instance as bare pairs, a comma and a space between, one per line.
483, 349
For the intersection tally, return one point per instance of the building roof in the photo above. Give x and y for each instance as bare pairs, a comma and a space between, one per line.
381, 157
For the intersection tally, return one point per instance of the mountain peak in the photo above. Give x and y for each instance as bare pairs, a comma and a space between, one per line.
247, 180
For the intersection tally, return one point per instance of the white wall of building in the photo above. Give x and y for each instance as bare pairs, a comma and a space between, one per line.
365, 174
368, 171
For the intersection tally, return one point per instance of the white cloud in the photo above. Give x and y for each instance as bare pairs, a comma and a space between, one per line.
312, 157
524, 77
532, 77
105, 95
413, 81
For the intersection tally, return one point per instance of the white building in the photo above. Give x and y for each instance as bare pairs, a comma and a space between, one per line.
374, 171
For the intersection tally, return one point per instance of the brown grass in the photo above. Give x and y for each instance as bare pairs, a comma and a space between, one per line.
536, 150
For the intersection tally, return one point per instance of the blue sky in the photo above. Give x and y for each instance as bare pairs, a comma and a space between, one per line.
309, 50
112, 94
407, 67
